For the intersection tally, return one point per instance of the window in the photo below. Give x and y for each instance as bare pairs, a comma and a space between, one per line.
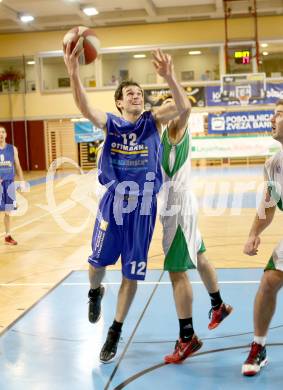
190, 65
54, 75
136, 66
195, 64
17, 74
271, 59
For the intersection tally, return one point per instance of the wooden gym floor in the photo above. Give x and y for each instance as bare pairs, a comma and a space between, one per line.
54, 239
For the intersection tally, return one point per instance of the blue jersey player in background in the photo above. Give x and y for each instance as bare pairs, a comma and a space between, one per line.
130, 170
9, 162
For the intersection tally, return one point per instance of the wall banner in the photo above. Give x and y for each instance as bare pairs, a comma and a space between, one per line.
227, 147
155, 97
87, 132
240, 122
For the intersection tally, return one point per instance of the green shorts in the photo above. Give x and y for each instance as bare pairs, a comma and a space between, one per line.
178, 257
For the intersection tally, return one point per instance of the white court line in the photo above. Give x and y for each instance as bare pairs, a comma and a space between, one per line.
118, 283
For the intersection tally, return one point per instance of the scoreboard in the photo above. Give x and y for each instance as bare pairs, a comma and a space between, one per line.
242, 57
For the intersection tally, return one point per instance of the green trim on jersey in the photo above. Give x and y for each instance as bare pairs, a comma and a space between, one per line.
274, 194
182, 152
178, 258
202, 248
270, 265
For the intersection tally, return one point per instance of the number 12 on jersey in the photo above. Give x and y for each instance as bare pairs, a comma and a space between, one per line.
138, 268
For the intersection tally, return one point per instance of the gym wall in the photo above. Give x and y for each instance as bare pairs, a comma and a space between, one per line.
41, 107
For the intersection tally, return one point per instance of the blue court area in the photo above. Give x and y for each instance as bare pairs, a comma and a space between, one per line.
54, 347
42, 180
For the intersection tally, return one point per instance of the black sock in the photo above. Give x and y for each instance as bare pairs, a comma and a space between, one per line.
216, 300
94, 292
116, 326
186, 329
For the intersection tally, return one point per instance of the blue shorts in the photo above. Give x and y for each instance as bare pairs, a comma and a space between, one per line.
7, 195
127, 234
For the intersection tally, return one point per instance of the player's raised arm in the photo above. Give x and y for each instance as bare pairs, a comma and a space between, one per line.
181, 106
71, 58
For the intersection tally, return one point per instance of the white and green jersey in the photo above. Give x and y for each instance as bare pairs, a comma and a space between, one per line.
273, 171
176, 162
181, 238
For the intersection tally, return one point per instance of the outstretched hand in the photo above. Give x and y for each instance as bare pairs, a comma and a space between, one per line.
251, 246
71, 57
163, 63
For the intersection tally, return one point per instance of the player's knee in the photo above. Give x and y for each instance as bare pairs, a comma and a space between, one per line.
96, 270
271, 282
130, 284
202, 261
178, 277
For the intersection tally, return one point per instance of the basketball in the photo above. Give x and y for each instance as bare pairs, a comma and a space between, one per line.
90, 43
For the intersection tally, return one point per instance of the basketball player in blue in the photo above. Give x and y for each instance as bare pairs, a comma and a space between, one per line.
130, 170
9, 162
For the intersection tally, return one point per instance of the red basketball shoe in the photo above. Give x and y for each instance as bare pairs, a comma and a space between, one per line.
184, 350
217, 316
10, 241
255, 361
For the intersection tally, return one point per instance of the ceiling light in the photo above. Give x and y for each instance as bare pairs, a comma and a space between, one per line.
32, 62
139, 56
265, 53
26, 18
264, 45
90, 11
194, 52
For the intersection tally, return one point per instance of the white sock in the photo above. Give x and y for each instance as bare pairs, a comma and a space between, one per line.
7, 234
260, 340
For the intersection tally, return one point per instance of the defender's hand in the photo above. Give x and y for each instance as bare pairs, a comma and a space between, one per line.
162, 63
251, 246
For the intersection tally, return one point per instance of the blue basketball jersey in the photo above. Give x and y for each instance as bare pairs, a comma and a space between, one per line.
7, 160
131, 154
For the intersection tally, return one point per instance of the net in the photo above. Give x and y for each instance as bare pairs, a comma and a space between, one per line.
243, 94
